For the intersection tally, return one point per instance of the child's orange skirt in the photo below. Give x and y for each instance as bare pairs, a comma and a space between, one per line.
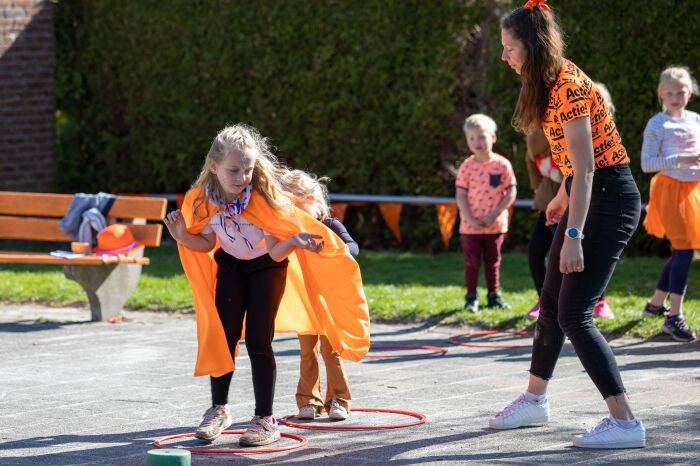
674, 211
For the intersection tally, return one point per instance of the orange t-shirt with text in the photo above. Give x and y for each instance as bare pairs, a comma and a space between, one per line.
486, 184
573, 96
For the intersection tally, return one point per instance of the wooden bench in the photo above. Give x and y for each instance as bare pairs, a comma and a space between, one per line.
107, 280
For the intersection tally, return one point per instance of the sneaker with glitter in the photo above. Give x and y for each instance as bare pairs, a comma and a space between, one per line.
216, 420
260, 432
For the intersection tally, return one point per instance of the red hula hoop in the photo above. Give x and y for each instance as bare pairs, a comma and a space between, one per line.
302, 441
309, 426
430, 349
457, 339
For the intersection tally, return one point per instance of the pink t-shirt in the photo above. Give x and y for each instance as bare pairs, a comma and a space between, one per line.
486, 184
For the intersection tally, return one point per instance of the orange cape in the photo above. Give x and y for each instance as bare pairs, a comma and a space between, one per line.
323, 294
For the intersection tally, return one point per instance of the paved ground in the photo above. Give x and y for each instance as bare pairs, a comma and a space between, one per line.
73, 392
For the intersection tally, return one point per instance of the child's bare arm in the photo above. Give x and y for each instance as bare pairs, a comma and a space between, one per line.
203, 242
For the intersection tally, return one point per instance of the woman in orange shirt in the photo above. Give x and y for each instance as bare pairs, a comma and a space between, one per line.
597, 208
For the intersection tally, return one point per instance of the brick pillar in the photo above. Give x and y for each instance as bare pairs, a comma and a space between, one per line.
27, 120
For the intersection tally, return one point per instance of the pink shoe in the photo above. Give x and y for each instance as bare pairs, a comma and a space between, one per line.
602, 310
534, 312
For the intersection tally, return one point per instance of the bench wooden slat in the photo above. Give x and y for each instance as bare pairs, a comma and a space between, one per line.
39, 258
45, 229
56, 205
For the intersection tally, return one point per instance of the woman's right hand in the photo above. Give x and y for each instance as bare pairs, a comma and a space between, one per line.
175, 223
309, 241
557, 207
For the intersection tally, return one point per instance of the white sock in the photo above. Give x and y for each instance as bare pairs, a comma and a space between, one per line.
625, 424
532, 398
225, 407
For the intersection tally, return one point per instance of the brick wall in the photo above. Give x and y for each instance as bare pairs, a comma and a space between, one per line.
27, 121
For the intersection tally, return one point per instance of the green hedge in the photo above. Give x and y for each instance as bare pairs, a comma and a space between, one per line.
359, 91
371, 92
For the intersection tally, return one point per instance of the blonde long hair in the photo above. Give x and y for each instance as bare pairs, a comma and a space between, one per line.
302, 185
267, 171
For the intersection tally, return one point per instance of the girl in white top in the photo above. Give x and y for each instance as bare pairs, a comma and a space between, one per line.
672, 148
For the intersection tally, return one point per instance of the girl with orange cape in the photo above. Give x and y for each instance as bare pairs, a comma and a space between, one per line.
310, 194
256, 261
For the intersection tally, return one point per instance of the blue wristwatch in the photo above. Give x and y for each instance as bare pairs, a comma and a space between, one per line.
574, 233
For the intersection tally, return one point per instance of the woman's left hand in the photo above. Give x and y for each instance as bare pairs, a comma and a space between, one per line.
571, 256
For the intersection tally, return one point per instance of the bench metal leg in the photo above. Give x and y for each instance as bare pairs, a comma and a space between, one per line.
107, 286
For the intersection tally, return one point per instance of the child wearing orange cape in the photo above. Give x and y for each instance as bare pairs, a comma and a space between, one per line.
254, 260
310, 194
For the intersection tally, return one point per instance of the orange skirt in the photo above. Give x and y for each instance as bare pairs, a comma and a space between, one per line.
674, 211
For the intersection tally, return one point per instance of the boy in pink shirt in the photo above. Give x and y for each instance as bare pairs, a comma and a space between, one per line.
485, 189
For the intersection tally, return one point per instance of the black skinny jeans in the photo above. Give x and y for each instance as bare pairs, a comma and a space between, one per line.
568, 300
250, 290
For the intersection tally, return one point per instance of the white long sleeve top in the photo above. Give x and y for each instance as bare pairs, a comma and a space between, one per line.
666, 137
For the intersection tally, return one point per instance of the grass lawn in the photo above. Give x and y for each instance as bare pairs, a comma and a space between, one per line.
400, 287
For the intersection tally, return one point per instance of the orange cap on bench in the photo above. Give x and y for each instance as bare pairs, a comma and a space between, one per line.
116, 239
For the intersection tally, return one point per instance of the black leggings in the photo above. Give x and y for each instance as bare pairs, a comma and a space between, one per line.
568, 300
250, 290
674, 275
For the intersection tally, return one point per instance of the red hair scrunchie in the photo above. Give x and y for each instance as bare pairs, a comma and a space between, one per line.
531, 4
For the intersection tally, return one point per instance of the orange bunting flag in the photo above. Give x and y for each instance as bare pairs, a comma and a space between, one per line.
446, 217
392, 213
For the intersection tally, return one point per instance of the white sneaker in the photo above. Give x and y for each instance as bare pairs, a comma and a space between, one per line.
337, 412
608, 434
521, 413
308, 412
